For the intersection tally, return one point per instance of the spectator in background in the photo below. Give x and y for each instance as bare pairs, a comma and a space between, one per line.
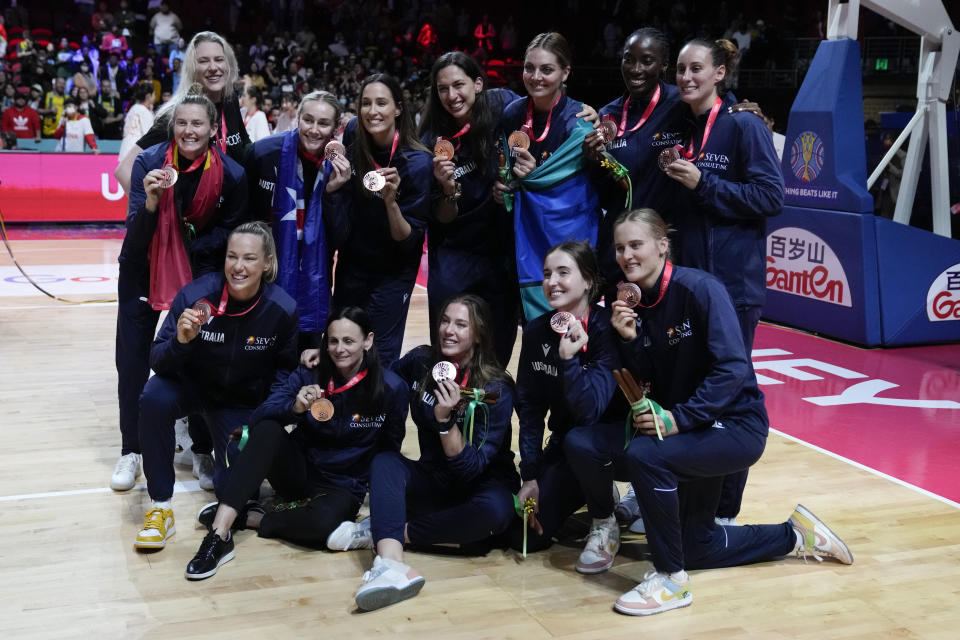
65, 65
74, 130
102, 21
741, 35
254, 78
84, 78
146, 76
8, 142
287, 120
113, 122
508, 37
20, 119
113, 41
258, 51
3, 38
176, 52
7, 95
485, 34
171, 81
88, 107
112, 74
36, 97
165, 27
52, 110
125, 18
254, 119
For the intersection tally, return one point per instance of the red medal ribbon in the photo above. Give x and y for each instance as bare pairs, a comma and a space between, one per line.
201, 159
688, 153
221, 309
246, 118
667, 271
393, 148
352, 382
222, 139
585, 322
529, 123
463, 131
643, 118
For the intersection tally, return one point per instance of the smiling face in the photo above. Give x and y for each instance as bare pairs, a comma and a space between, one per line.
543, 76
642, 65
316, 124
456, 333
346, 345
564, 285
192, 130
457, 92
212, 68
245, 265
697, 77
378, 110
640, 254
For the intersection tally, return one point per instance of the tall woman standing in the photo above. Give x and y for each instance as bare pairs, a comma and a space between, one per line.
387, 204
470, 239
553, 197
731, 183
175, 231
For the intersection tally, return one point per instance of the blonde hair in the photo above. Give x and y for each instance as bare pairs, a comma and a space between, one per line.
261, 230
658, 228
188, 73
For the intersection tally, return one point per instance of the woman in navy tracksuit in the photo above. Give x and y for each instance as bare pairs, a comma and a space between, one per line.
646, 123
378, 263
290, 185
219, 364
323, 465
470, 238
568, 376
194, 216
461, 489
682, 342
731, 183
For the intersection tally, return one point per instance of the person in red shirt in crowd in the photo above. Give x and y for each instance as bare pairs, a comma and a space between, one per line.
20, 119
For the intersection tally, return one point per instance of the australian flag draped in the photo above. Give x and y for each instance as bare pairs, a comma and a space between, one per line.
302, 260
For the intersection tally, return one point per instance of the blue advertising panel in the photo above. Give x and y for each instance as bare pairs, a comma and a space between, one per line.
919, 276
822, 273
824, 156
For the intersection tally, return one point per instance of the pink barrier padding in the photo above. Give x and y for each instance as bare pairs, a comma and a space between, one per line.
60, 187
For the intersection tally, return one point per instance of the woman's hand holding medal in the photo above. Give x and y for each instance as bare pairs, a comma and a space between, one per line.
392, 184
573, 340
188, 326
443, 170
624, 320
306, 397
341, 171
684, 172
523, 162
594, 146
447, 394
153, 184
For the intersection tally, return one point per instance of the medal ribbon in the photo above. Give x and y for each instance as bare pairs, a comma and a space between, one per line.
352, 382
221, 309
393, 149
204, 159
664, 283
222, 139
643, 118
463, 131
688, 153
529, 123
246, 118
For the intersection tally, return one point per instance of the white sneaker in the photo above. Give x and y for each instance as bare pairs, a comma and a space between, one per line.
203, 470
387, 582
126, 472
351, 535
657, 593
603, 542
817, 538
628, 509
726, 522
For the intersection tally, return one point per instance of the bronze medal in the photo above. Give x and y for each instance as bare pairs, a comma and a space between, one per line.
443, 149
169, 177
374, 181
443, 371
607, 131
333, 149
560, 322
518, 140
667, 157
203, 311
629, 293
321, 409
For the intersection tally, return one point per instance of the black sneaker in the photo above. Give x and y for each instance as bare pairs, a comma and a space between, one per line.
208, 512
212, 553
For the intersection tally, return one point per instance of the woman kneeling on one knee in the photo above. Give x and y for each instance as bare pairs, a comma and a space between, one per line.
461, 489
709, 420
225, 337
346, 410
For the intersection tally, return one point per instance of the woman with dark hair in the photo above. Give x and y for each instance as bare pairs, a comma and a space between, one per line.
290, 181
553, 199
388, 205
346, 410
254, 120
208, 60
227, 335
705, 419
645, 126
470, 247
461, 488
566, 358
731, 183
186, 198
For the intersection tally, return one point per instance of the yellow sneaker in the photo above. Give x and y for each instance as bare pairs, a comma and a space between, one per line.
157, 527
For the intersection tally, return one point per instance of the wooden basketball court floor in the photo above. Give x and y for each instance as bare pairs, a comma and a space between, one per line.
69, 568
